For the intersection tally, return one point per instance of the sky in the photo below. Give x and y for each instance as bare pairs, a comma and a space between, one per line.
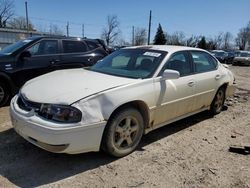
193, 17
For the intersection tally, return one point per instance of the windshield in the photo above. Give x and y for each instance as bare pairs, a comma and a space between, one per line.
15, 46
131, 63
243, 54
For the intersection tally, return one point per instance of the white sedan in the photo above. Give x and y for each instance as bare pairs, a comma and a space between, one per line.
112, 104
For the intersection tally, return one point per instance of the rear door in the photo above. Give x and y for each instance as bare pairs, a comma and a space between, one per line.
207, 78
75, 54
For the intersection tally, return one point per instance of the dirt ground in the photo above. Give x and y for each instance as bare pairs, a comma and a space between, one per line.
189, 153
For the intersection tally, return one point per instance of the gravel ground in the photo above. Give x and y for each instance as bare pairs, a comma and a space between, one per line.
189, 153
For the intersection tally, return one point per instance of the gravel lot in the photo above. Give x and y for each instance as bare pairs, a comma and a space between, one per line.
189, 153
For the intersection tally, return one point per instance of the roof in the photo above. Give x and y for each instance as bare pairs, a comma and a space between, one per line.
167, 48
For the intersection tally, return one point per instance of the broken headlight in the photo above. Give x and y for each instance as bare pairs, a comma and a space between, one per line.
60, 113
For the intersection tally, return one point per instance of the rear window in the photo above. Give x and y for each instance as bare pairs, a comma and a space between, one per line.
203, 62
92, 45
73, 46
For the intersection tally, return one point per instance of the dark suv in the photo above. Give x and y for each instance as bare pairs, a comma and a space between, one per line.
35, 56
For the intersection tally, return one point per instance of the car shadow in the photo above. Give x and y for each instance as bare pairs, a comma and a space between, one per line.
175, 127
26, 165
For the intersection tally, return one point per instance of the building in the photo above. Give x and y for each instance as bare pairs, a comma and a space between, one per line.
9, 36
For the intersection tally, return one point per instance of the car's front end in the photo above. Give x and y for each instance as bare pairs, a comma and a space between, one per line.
55, 116
55, 128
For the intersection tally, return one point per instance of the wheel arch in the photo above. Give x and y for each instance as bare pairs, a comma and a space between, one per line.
7, 80
139, 105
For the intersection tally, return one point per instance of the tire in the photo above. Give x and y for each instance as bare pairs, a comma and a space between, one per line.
4, 94
123, 132
218, 101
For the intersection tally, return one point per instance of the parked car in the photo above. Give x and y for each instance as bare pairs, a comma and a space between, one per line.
127, 94
229, 57
220, 55
242, 58
35, 56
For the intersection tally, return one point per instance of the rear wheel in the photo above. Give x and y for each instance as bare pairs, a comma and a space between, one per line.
218, 102
123, 132
4, 94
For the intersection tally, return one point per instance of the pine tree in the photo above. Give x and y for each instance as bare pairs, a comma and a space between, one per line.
159, 36
202, 43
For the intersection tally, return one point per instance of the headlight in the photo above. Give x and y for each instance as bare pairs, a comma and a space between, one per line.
60, 113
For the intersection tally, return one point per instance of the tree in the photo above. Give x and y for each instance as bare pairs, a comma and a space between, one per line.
55, 30
20, 23
6, 11
140, 36
216, 42
227, 38
192, 41
178, 38
202, 43
160, 36
111, 31
243, 37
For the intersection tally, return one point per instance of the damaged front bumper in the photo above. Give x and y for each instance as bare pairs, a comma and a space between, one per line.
55, 137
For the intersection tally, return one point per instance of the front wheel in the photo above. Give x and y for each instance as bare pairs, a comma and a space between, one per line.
4, 94
218, 102
123, 132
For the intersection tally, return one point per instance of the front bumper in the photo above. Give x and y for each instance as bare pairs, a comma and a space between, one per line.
55, 137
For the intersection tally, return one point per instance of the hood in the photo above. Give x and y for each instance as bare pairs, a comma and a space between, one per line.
69, 86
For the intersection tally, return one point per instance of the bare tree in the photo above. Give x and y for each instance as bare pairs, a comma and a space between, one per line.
243, 37
111, 31
140, 37
192, 41
216, 42
227, 39
6, 11
55, 30
20, 23
177, 38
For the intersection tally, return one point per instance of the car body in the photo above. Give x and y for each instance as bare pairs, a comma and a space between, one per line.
242, 58
229, 57
220, 55
127, 94
35, 56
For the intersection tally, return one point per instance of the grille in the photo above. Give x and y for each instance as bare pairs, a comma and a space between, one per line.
27, 105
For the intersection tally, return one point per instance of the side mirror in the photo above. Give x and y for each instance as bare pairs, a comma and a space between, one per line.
170, 74
25, 55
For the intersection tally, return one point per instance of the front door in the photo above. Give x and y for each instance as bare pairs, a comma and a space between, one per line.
43, 55
175, 97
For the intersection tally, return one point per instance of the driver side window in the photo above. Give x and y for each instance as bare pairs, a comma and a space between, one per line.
179, 62
44, 47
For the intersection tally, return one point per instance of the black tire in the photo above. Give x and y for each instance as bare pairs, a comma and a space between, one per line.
218, 101
4, 94
123, 132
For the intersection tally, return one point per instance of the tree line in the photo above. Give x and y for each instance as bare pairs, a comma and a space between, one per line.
223, 40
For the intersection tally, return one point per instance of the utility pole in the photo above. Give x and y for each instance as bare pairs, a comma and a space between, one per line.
149, 27
27, 18
83, 31
67, 29
133, 36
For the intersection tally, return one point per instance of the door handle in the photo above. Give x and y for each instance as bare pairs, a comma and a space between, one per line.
217, 77
53, 61
191, 83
